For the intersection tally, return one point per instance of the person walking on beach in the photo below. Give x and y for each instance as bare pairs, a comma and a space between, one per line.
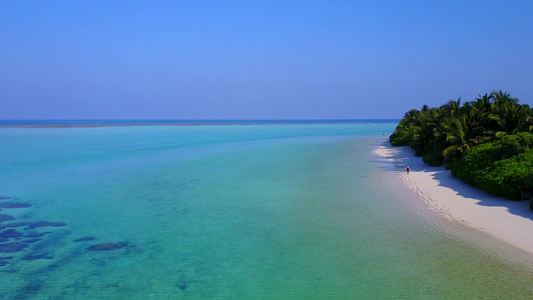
408, 170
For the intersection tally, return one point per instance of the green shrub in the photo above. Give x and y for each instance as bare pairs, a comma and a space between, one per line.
506, 177
476, 158
511, 145
433, 155
401, 137
509, 176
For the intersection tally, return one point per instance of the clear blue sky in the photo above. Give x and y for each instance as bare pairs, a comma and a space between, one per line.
257, 59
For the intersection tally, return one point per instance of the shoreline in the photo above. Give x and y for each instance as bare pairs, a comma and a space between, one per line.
507, 225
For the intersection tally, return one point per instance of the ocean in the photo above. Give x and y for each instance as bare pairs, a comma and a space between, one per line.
253, 210
80, 123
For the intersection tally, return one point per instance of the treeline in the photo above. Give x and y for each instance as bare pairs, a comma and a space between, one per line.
487, 142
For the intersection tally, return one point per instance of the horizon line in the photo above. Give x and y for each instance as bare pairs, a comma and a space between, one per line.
199, 119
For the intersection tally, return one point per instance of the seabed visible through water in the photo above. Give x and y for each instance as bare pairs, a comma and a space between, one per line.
226, 212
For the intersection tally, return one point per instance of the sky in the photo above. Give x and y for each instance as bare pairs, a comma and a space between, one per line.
258, 59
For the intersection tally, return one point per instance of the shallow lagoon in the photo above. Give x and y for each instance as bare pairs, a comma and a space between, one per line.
263, 211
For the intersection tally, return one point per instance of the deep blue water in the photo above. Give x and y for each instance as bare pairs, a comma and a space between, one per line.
191, 122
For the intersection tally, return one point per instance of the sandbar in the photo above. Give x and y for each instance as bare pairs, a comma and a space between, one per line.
510, 222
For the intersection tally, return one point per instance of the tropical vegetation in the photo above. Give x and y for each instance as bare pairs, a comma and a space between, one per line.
487, 143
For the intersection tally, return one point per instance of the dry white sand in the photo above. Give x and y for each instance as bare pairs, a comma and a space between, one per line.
508, 221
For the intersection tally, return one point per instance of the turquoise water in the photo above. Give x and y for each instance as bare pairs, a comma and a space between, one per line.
228, 212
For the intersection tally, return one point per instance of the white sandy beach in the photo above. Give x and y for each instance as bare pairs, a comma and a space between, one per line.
508, 221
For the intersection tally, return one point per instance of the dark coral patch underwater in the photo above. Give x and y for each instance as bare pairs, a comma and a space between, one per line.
12, 247
4, 259
37, 256
107, 246
31, 241
9, 234
4, 218
17, 224
46, 224
14, 205
37, 234
85, 239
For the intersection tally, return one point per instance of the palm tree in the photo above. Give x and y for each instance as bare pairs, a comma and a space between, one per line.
451, 108
459, 137
509, 116
479, 119
424, 128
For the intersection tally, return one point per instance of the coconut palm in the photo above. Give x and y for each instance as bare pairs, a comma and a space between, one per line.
459, 137
509, 116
